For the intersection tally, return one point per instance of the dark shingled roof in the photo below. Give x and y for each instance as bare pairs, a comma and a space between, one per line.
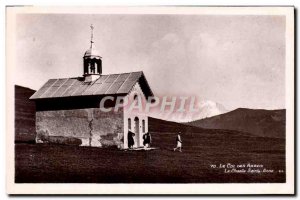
113, 84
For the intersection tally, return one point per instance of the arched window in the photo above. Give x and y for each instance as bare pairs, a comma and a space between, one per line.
135, 97
143, 124
129, 123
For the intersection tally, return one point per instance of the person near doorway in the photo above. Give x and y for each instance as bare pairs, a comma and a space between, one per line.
147, 140
179, 142
130, 139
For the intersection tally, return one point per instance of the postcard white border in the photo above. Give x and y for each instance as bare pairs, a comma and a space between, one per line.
223, 188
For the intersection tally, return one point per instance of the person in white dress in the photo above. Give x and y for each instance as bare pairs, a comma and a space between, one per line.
179, 142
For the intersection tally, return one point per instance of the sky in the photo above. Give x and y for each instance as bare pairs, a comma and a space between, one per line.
237, 61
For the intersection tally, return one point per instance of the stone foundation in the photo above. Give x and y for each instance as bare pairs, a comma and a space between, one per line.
92, 126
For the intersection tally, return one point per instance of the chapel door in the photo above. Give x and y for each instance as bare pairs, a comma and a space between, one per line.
137, 131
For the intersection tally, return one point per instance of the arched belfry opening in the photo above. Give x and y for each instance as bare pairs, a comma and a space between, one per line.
92, 63
92, 66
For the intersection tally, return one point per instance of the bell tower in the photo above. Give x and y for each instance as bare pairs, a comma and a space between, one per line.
92, 63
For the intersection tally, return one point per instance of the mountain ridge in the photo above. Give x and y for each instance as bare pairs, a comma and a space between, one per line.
24, 114
259, 122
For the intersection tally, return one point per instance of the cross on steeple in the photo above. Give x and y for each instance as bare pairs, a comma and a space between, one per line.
92, 34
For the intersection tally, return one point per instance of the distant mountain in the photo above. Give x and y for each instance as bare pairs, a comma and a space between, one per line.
205, 108
265, 123
24, 115
209, 109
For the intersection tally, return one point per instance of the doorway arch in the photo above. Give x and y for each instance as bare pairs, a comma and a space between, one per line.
137, 131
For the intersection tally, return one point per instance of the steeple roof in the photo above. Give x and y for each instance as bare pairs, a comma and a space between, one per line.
92, 52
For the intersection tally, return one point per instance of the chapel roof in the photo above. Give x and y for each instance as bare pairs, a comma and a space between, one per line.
111, 84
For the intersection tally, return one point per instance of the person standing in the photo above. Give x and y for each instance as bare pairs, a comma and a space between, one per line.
130, 139
147, 140
144, 139
179, 142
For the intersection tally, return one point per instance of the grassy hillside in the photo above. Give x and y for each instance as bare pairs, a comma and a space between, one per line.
264, 123
24, 115
44, 163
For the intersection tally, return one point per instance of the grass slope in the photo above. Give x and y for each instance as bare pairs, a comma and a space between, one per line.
42, 163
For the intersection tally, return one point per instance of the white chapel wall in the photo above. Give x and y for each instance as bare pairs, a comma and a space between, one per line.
136, 90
